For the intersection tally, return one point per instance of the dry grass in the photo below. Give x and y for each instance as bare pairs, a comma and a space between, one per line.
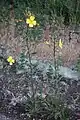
70, 51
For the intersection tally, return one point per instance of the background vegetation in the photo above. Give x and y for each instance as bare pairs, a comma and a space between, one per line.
67, 11
41, 103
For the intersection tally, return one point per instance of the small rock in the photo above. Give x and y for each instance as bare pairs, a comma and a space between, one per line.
68, 73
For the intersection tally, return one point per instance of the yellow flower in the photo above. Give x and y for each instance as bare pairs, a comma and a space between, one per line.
31, 21
60, 43
10, 60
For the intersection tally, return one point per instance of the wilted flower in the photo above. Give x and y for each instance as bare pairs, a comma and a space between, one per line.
46, 42
10, 60
31, 21
60, 43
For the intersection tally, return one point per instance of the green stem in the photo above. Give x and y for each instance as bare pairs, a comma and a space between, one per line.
31, 71
30, 65
54, 55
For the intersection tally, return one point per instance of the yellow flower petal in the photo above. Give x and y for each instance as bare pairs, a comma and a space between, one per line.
9, 58
34, 22
27, 21
11, 63
32, 18
30, 25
